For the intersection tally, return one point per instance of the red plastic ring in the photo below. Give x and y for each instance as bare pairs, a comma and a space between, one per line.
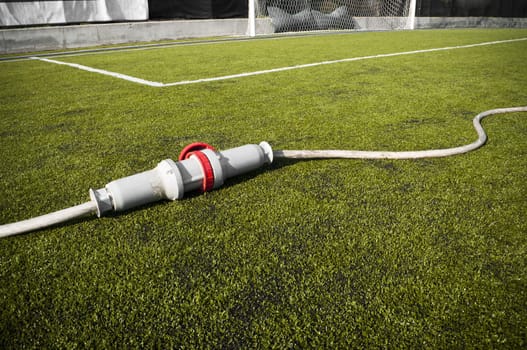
208, 172
196, 146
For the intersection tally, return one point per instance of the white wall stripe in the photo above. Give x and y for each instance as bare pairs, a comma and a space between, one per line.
274, 70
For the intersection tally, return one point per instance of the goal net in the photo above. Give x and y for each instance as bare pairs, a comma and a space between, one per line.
309, 15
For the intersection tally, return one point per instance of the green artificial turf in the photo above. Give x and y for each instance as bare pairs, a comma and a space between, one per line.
300, 254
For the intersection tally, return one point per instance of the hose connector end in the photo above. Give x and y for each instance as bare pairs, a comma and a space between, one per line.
102, 200
268, 151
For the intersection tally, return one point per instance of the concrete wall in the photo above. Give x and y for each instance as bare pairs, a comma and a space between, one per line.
469, 22
76, 36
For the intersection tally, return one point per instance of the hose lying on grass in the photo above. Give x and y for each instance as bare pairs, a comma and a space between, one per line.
433, 153
201, 167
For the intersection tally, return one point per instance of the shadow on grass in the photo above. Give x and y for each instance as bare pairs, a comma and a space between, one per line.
233, 181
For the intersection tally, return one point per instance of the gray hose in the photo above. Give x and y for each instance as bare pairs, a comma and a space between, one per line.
87, 208
50, 219
350, 154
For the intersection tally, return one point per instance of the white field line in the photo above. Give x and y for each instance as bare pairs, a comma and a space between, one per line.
268, 71
102, 71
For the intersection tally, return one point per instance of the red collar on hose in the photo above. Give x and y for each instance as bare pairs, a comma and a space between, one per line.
208, 173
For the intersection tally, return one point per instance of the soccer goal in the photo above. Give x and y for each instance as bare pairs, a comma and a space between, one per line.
309, 15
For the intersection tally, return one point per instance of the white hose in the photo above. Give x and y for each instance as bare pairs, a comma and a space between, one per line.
433, 153
87, 208
50, 219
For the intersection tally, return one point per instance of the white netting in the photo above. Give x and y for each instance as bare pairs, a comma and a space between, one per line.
306, 15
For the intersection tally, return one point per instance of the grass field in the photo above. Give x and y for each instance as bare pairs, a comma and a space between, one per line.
313, 254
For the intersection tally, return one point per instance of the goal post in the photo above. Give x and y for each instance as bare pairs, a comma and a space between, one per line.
310, 15
251, 28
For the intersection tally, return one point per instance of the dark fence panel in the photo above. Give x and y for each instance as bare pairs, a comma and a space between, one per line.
229, 8
472, 8
197, 9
